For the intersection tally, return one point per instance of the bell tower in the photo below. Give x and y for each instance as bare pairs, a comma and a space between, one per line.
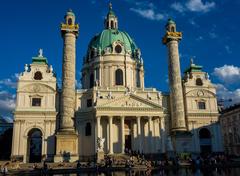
67, 140
171, 40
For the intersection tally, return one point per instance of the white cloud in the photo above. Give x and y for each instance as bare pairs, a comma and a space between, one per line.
228, 96
148, 14
147, 10
7, 99
199, 38
212, 35
228, 74
199, 6
193, 6
228, 49
7, 102
10, 82
178, 7
78, 84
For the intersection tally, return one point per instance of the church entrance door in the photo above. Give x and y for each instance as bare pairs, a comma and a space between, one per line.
205, 141
35, 145
128, 136
128, 142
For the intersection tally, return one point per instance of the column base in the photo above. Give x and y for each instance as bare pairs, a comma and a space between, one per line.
100, 156
66, 147
182, 141
17, 158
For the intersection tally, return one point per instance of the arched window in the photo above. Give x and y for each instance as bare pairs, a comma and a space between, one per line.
119, 77
172, 29
118, 49
38, 75
204, 133
91, 81
35, 145
92, 54
199, 82
112, 25
70, 21
88, 129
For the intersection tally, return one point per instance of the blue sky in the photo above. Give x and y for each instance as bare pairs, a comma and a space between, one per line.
210, 35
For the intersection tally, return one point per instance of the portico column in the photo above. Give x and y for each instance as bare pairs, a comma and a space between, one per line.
98, 126
162, 133
139, 133
122, 134
110, 135
150, 134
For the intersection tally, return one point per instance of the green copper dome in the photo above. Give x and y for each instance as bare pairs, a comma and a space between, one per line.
70, 13
170, 21
108, 36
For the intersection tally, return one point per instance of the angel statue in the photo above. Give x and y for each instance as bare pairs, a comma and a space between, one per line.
100, 142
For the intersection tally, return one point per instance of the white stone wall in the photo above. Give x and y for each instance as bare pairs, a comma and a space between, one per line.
27, 117
201, 118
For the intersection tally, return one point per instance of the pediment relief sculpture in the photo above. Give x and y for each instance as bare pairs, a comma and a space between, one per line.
37, 88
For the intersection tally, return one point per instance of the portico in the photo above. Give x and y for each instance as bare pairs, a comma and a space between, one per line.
126, 132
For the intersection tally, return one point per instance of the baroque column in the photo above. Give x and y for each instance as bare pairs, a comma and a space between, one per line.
122, 134
98, 126
67, 140
139, 133
110, 135
171, 39
162, 134
150, 134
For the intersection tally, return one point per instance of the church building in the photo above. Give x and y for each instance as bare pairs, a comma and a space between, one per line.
113, 112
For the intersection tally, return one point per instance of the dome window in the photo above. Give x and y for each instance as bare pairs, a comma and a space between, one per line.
119, 77
199, 82
118, 49
38, 75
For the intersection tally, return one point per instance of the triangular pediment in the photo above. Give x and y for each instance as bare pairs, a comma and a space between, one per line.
131, 101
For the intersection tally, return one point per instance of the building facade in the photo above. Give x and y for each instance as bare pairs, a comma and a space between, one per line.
113, 111
229, 120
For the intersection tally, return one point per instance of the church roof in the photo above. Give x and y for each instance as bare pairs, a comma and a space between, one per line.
108, 36
40, 59
193, 68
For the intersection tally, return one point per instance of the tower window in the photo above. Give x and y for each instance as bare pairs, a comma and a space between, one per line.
172, 29
112, 25
70, 21
88, 129
199, 82
91, 81
38, 75
138, 78
119, 77
201, 105
36, 101
118, 49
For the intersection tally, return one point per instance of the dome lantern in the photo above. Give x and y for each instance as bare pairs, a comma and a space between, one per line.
111, 21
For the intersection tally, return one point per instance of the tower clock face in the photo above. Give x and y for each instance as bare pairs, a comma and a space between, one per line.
118, 49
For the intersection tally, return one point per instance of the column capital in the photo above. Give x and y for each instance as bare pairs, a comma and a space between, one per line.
150, 117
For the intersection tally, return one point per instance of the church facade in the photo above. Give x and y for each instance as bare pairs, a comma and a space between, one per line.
113, 112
